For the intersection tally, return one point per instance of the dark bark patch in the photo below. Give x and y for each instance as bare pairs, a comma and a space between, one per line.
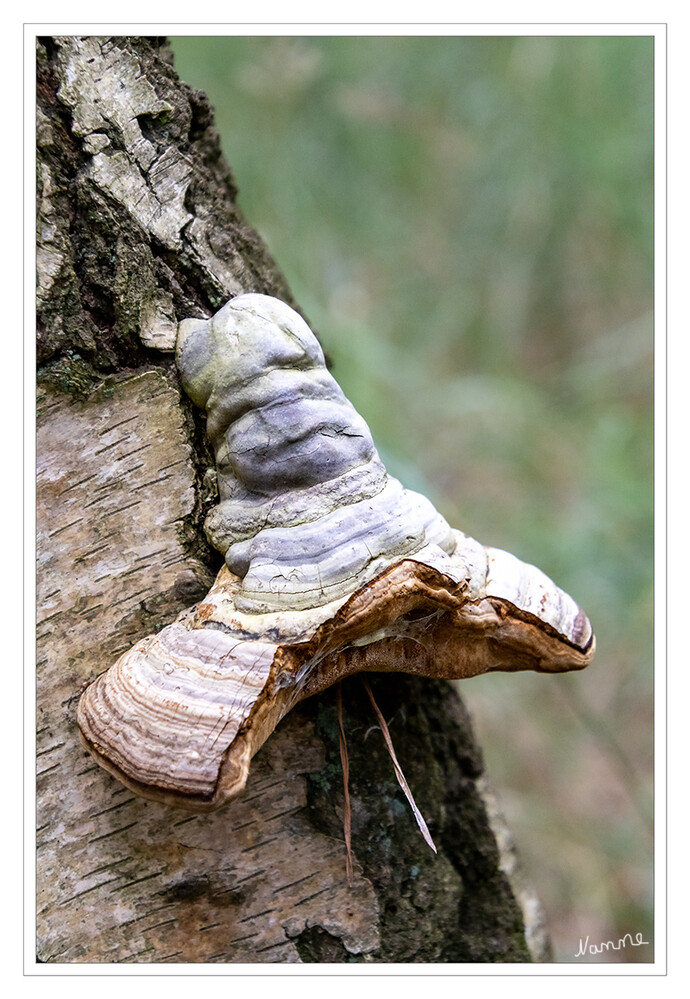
454, 906
194, 889
316, 946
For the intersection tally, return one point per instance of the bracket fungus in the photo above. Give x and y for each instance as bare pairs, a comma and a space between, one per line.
331, 568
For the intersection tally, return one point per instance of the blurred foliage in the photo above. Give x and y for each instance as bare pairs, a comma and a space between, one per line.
467, 222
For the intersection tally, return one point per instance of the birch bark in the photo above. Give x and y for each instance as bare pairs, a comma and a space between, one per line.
138, 228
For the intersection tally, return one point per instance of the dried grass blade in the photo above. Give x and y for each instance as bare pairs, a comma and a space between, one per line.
347, 813
398, 770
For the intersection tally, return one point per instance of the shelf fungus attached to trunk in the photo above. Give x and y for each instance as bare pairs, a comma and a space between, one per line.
331, 568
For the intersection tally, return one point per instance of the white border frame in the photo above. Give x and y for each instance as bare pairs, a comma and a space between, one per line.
658, 967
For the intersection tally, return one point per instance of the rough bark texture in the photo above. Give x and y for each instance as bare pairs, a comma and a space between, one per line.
138, 228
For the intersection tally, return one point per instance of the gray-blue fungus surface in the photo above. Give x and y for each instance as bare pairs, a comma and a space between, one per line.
307, 510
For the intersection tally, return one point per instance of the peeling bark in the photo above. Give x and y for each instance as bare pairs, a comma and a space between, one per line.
137, 229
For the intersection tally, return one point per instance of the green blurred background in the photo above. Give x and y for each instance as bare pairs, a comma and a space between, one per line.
467, 223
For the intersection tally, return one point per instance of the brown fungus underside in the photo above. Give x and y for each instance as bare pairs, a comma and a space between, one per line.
332, 568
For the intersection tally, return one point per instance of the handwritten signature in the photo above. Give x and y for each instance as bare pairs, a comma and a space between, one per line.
587, 948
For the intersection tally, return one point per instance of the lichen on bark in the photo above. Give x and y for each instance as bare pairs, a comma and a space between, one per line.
137, 224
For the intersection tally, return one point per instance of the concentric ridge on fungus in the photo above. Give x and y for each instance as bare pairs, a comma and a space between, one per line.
332, 567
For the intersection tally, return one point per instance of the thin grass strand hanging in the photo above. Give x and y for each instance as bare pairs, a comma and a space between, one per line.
398, 770
347, 812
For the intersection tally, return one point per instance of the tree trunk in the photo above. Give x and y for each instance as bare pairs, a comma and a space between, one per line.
137, 229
